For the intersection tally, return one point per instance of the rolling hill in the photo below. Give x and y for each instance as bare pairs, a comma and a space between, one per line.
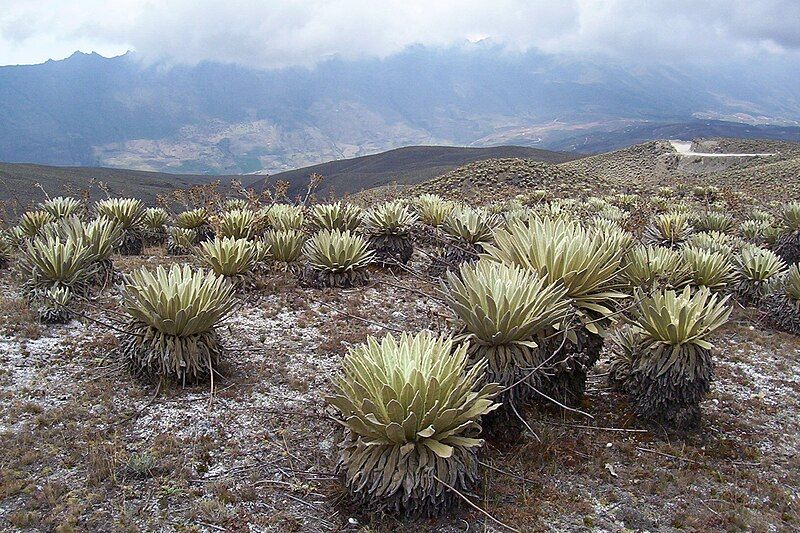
628, 166
408, 165
640, 168
777, 181
615, 137
482, 181
459, 171
17, 182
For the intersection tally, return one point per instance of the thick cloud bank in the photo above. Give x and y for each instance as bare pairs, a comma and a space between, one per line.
281, 33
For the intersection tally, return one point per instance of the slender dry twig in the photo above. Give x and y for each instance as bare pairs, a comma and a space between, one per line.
87, 317
709, 508
362, 319
563, 406
409, 289
525, 423
212, 526
581, 426
41, 188
532, 372
91, 303
477, 508
138, 412
648, 450
505, 472
420, 276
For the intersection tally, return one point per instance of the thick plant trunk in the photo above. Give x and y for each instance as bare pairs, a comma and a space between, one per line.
310, 277
132, 242
385, 480
453, 256
204, 233
788, 248
565, 381
391, 249
783, 313
154, 354
155, 237
672, 398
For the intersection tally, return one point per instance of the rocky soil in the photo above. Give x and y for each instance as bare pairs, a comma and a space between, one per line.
88, 447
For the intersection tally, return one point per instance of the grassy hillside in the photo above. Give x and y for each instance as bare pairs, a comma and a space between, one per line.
497, 178
606, 140
630, 169
404, 165
778, 181
454, 171
407, 165
640, 168
733, 145
648, 165
17, 182
629, 166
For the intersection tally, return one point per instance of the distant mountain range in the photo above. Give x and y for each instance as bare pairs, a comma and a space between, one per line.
210, 118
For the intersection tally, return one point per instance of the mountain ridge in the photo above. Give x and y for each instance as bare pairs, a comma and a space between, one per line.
213, 118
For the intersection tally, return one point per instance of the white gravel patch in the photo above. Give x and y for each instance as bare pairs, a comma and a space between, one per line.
685, 148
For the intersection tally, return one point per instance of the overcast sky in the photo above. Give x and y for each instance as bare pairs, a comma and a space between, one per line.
303, 32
